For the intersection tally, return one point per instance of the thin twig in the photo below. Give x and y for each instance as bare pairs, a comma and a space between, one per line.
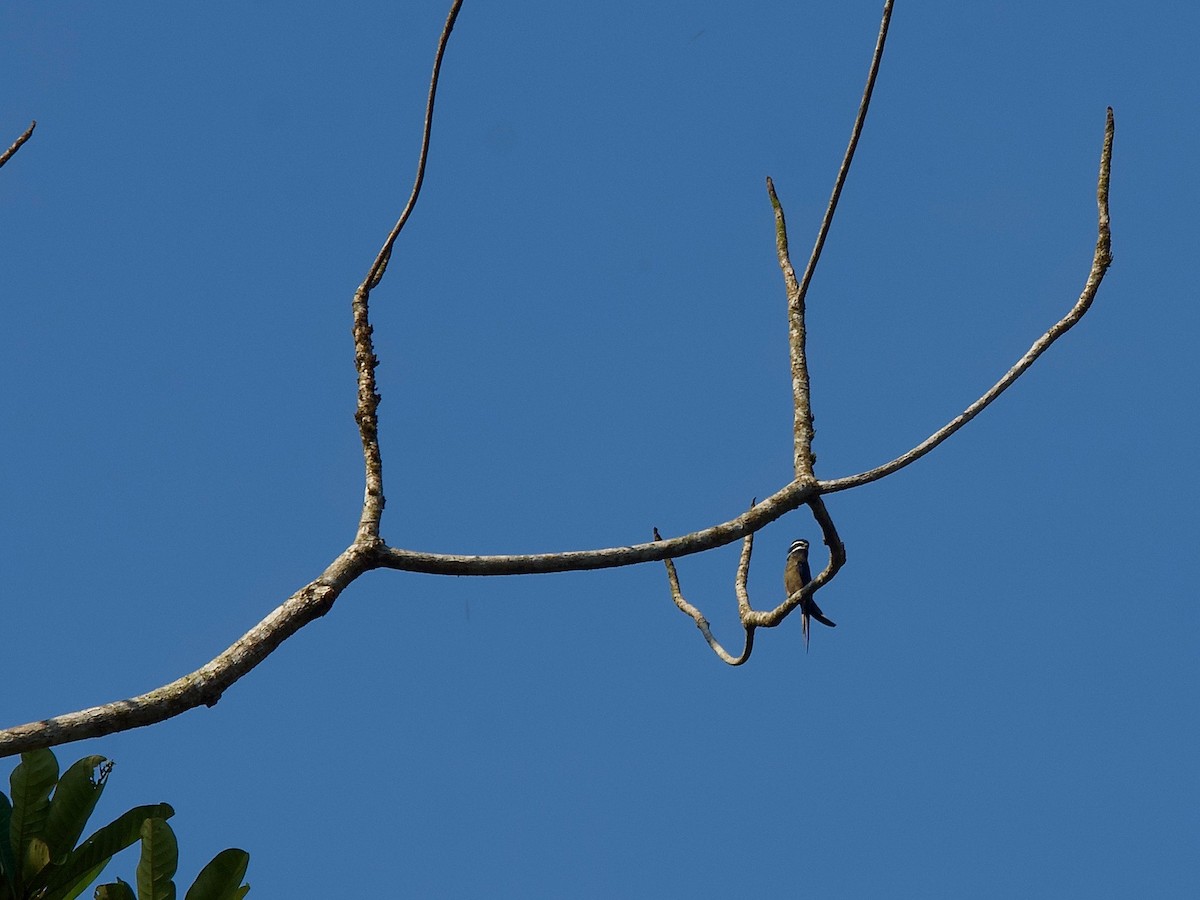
16, 145
1101, 260
701, 622
849, 157
365, 361
375, 275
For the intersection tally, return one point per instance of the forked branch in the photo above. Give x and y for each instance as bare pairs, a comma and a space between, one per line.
804, 460
797, 291
206, 685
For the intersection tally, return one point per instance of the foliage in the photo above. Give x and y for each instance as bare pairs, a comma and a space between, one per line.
40, 826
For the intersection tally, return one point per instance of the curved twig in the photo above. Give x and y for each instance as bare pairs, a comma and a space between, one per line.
750, 618
365, 361
16, 145
1101, 260
855, 133
375, 275
698, 617
837, 559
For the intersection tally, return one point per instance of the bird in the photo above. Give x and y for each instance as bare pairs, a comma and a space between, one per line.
796, 574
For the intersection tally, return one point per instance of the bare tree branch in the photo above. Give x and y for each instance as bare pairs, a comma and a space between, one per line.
1101, 260
202, 687
766, 511
855, 133
365, 361
802, 420
206, 685
375, 275
16, 145
804, 458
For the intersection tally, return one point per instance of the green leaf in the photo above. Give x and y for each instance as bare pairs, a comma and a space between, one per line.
242, 892
8, 862
222, 878
74, 800
114, 837
31, 782
160, 857
74, 890
118, 890
37, 857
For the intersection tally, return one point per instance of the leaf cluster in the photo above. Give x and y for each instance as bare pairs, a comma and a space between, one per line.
43, 817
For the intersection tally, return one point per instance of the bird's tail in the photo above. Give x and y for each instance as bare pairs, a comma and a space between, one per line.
809, 611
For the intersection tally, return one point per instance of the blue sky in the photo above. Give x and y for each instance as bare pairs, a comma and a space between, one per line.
582, 336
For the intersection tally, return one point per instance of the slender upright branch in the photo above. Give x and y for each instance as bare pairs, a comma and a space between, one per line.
16, 145
375, 275
803, 456
855, 133
741, 582
365, 361
802, 419
366, 414
1101, 260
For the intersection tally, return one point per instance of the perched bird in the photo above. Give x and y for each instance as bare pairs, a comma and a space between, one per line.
796, 574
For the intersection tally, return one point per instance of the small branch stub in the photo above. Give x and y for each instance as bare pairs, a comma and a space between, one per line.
16, 145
